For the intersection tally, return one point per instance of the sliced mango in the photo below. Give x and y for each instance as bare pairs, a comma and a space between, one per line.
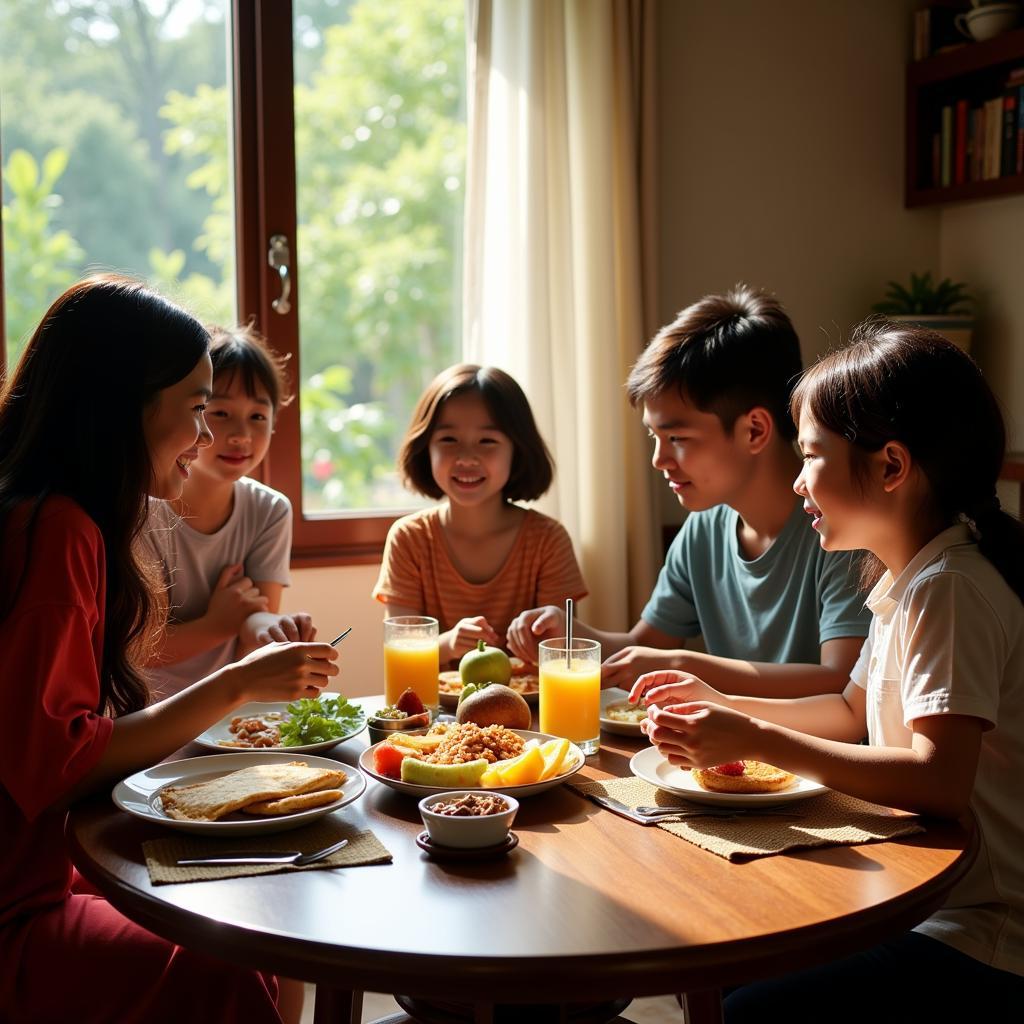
553, 752
528, 768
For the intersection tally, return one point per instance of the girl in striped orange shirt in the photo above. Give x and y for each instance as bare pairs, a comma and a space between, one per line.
477, 559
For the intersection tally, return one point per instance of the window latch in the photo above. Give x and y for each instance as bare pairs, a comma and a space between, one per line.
279, 257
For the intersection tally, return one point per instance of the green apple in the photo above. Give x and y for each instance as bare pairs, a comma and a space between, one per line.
485, 665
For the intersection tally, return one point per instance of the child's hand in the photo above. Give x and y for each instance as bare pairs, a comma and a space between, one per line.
700, 735
463, 636
528, 628
624, 667
297, 627
284, 672
671, 687
233, 600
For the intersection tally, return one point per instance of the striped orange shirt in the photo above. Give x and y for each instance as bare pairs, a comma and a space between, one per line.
417, 572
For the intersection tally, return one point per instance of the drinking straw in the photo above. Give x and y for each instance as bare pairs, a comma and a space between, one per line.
568, 632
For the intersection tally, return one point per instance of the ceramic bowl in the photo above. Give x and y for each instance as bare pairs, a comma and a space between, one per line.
381, 728
471, 831
988, 21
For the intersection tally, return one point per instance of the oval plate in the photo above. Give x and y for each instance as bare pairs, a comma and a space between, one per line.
412, 789
614, 695
139, 794
650, 766
213, 738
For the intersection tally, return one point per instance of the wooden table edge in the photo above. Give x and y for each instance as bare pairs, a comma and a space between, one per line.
655, 972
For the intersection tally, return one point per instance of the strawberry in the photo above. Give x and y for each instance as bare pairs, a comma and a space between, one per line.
730, 768
410, 703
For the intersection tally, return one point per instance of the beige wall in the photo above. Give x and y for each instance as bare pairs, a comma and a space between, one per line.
781, 158
982, 243
339, 598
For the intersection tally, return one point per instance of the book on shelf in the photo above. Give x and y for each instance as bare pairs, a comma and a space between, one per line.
975, 143
1008, 159
993, 138
960, 143
946, 165
1019, 164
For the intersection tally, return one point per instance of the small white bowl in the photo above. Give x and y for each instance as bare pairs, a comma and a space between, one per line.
988, 21
469, 832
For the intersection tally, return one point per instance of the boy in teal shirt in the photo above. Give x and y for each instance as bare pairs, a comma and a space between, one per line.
779, 616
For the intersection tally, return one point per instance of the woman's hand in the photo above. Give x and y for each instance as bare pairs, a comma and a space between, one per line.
701, 735
671, 687
284, 671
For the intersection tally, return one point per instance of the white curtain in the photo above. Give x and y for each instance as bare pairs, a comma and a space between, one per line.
557, 286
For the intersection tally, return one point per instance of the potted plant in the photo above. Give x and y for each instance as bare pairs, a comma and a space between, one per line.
944, 306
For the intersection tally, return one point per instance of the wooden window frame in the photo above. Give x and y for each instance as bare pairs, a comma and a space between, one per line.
265, 204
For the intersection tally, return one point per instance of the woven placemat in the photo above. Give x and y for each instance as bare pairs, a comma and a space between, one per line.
830, 819
162, 855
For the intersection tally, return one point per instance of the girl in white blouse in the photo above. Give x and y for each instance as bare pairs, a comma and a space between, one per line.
902, 442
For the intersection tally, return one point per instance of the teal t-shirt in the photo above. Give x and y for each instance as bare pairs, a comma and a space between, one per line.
780, 607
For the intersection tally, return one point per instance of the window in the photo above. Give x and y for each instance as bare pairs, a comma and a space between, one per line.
127, 143
114, 138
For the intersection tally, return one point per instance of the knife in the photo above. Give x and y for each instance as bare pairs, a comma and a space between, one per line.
624, 811
243, 857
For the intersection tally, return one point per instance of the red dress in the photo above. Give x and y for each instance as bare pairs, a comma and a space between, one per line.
65, 953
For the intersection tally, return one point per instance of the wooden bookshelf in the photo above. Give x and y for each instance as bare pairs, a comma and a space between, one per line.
975, 71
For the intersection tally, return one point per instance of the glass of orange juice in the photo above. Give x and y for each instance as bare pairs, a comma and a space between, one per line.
411, 658
570, 691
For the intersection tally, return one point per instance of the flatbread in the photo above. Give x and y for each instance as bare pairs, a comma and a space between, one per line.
209, 801
291, 804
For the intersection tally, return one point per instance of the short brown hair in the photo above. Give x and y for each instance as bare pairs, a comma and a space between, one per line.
532, 466
245, 352
727, 354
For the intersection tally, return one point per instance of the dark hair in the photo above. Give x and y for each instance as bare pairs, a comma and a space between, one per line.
71, 423
245, 352
532, 466
907, 384
727, 354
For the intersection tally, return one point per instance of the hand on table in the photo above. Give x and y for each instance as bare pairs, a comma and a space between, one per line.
528, 628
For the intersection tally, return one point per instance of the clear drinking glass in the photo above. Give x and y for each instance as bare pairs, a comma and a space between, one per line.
411, 659
570, 691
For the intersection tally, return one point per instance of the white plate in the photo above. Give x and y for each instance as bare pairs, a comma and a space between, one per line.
139, 794
211, 739
411, 789
614, 695
450, 701
650, 766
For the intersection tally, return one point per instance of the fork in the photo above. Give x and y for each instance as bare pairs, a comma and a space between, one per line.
295, 858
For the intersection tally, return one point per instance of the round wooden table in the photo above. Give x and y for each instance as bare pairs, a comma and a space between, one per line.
589, 907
